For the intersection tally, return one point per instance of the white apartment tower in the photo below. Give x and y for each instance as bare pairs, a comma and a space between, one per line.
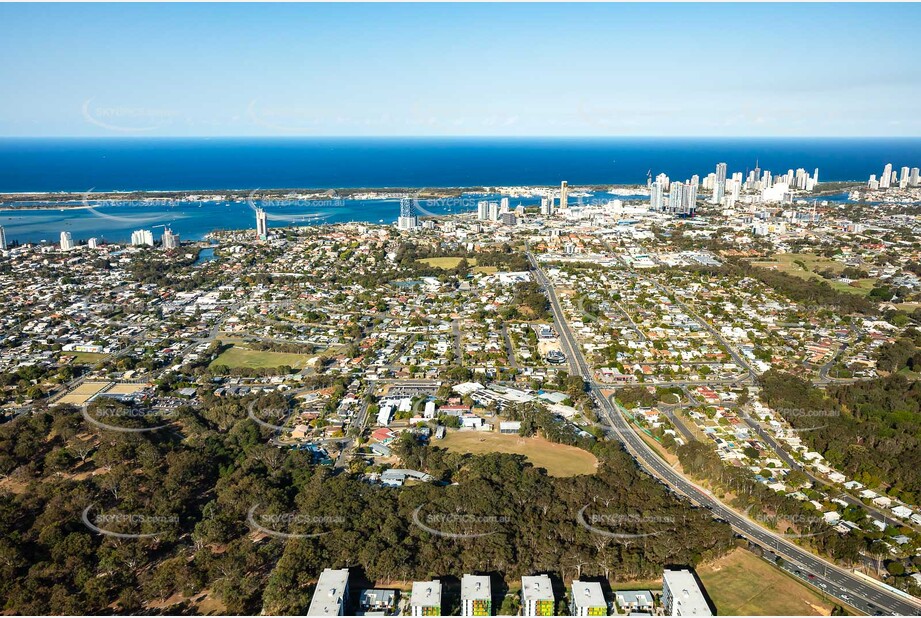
2, 239
170, 240
426, 598
408, 219
142, 237
262, 225
681, 596
476, 596
67, 241
886, 178
537, 596
657, 196
588, 599
719, 188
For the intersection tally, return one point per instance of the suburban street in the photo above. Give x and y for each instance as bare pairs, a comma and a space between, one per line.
829, 578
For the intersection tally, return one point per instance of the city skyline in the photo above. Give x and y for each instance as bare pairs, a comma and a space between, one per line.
440, 70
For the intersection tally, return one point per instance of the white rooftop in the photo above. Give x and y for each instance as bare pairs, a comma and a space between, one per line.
537, 588
330, 593
687, 597
426, 594
587, 594
475, 587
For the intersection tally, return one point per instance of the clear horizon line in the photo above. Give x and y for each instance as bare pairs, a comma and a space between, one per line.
429, 137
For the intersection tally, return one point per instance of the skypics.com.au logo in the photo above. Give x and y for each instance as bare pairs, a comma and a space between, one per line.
294, 206
293, 525
275, 414
124, 119
457, 525
93, 205
624, 527
107, 418
126, 525
798, 526
790, 413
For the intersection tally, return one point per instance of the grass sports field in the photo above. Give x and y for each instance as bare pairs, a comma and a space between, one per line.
85, 358
742, 584
787, 263
557, 459
448, 263
238, 356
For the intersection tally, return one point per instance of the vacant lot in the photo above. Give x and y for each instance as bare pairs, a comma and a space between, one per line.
557, 459
742, 584
792, 264
238, 356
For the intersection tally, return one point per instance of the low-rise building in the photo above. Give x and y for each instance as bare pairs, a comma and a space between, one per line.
476, 596
631, 601
682, 595
377, 602
331, 593
588, 599
426, 598
537, 596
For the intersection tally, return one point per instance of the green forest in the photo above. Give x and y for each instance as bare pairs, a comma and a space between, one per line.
192, 485
869, 430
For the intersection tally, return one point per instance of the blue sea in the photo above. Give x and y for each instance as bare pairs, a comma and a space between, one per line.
121, 164
189, 164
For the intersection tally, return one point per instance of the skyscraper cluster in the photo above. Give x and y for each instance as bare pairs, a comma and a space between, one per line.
487, 211
772, 187
682, 198
678, 198
891, 179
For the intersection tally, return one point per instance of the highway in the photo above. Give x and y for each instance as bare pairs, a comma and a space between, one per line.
829, 578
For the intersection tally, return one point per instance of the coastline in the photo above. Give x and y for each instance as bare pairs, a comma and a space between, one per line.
13, 201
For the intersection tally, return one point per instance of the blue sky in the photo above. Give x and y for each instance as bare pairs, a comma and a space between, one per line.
476, 69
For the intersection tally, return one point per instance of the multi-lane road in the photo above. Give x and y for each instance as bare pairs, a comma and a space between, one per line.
831, 579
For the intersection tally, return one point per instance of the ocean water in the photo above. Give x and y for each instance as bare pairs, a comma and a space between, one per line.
110, 164
80, 165
114, 222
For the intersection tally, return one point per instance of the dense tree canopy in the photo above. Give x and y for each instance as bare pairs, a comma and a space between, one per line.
194, 484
